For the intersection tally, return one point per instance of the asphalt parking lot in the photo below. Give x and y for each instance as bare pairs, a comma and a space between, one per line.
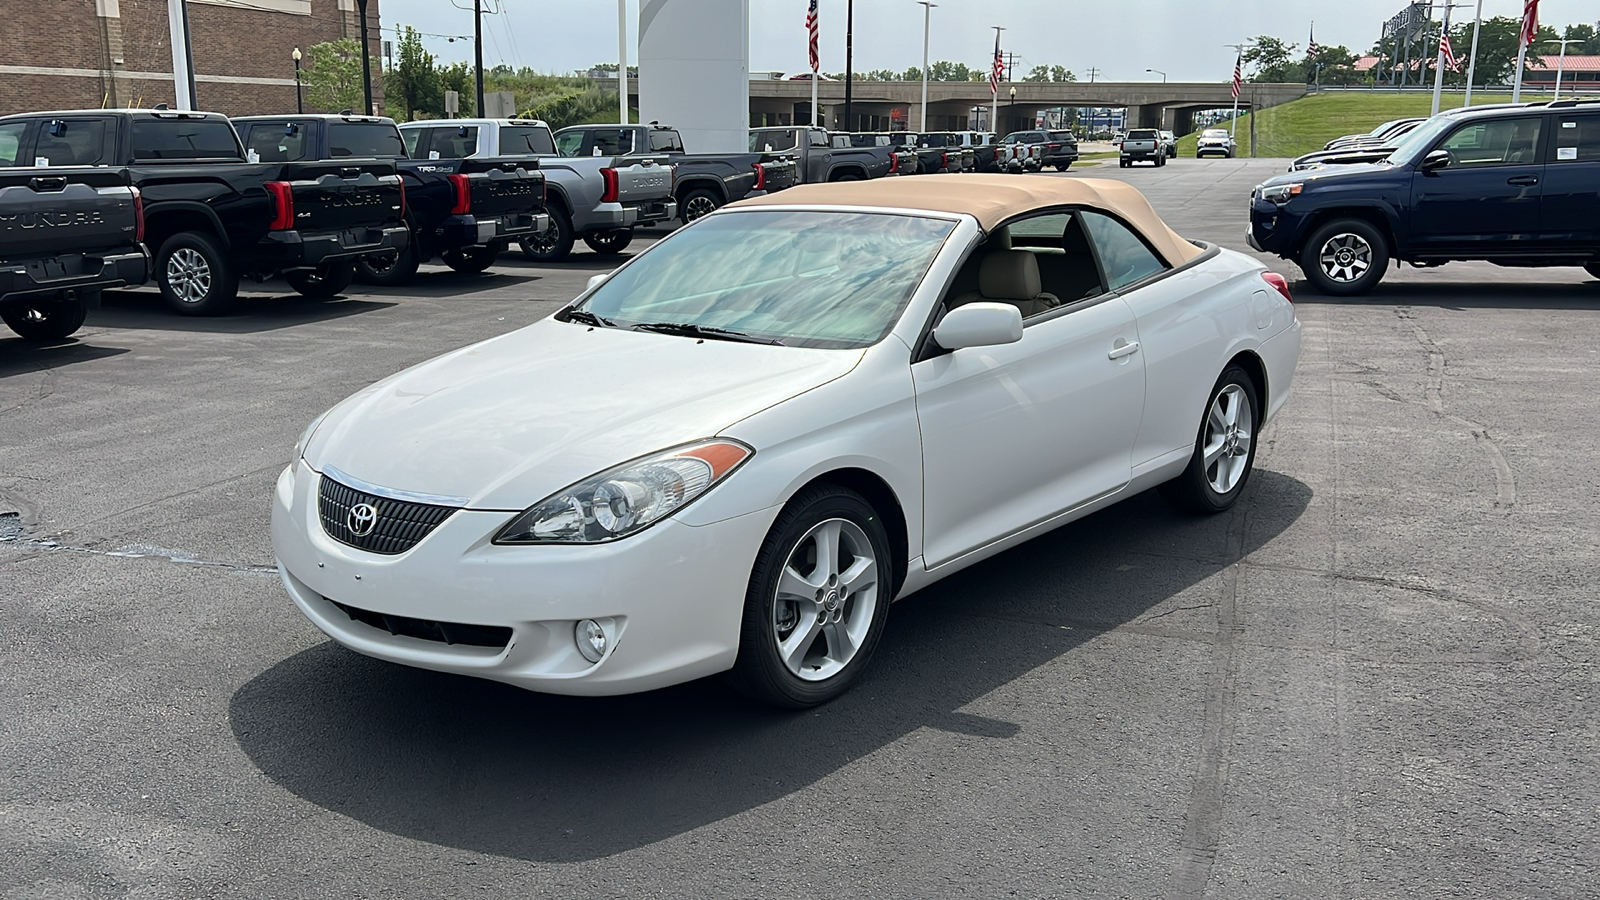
1375, 677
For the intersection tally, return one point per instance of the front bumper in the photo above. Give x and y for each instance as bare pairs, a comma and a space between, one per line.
1272, 228
73, 272
471, 231
1210, 149
671, 598
297, 250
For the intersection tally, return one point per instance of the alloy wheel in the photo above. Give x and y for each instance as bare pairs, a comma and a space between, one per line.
826, 598
699, 205
189, 275
1230, 427
1346, 257
544, 241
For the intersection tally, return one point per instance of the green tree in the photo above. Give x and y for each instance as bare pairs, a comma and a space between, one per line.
1333, 65
913, 73
1586, 33
1040, 74
333, 75
461, 78
1062, 74
413, 86
945, 70
1497, 50
880, 75
1273, 60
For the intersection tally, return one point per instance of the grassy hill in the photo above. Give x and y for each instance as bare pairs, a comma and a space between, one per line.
1304, 125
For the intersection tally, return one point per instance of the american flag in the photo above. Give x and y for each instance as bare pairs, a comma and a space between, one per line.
1530, 22
811, 27
998, 71
1238, 75
1449, 51
1311, 45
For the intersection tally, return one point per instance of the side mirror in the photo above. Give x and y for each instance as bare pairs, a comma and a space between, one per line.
1435, 160
979, 325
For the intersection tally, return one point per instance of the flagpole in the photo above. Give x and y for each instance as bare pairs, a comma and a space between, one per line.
1532, 6
1438, 65
1238, 71
1472, 64
994, 82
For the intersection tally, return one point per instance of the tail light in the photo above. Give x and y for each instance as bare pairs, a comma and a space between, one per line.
894, 163
402, 198
613, 190
1279, 283
761, 177
283, 197
138, 215
944, 160
463, 188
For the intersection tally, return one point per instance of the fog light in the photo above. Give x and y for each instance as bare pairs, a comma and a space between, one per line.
591, 640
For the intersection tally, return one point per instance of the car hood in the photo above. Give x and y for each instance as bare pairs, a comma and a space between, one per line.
1321, 176
505, 423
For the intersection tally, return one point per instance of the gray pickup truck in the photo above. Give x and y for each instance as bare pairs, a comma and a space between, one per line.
66, 234
702, 182
598, 198
1143, 144
823, 157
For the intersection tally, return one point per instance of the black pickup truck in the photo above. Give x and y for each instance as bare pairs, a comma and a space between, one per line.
824, 156
212, 215
66, 234
702, 182
464, 211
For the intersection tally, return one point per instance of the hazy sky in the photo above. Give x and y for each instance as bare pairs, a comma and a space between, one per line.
1120, 37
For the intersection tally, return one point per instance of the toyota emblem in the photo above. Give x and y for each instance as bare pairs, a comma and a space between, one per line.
362, 520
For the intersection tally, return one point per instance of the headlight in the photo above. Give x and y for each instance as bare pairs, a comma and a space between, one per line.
1280, 193
305, 436
628, 498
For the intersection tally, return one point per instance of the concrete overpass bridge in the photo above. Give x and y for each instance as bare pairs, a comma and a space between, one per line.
951, 103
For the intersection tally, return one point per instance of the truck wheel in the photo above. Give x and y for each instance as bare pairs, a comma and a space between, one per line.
46, 320
196, 278
470, 261
1062, 167
324, 281
1123, 163
1161, 160
698, 203
1345, 257
388, 269
607, 243
554, 244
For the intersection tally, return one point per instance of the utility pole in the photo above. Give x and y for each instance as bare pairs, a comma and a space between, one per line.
1472, 65
1093, 73
927, 21
849, 60
366, 58
477, 53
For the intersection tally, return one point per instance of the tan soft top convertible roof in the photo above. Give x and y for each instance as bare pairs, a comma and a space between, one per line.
993, 200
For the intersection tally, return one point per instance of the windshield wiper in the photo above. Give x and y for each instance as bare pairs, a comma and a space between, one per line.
687, 329
585, 317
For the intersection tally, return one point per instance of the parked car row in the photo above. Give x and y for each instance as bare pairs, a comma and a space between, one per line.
1514, 185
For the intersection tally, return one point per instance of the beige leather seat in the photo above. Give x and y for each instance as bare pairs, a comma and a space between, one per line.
1010, 276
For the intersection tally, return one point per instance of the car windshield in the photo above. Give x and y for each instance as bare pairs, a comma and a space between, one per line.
1141, 135
1017, 137
1416, 141
1214, 133
823, 279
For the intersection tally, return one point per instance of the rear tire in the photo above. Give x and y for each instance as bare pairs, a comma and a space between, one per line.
698, 203
1345, 257
388, 269
470, 261
1062, 167
195, 276
810, 624
1225, 450
327, 280
609, 243
47, 318
554, 244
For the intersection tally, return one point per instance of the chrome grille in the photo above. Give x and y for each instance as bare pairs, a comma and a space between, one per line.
400, 523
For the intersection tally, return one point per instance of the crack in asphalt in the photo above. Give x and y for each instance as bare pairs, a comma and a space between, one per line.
136, 551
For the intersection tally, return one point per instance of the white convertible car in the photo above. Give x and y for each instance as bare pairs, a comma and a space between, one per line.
733, 452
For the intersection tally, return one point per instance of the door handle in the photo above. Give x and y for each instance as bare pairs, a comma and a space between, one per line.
1523, 180
1122, 349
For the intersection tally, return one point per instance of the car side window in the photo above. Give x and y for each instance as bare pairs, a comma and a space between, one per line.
665, 142
1577, 139
769, 141
11, 135
273, 143
72, 142
570, 143
820, 139
1123, 255
1497, 142
612, 142
411, 136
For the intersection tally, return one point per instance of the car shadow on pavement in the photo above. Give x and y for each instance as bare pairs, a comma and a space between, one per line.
1466, 295
485, 767
20, 357
253, 313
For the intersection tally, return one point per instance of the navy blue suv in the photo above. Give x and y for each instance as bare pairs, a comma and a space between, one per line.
1513, 185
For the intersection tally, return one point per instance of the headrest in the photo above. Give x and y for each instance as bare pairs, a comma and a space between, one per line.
1009, 275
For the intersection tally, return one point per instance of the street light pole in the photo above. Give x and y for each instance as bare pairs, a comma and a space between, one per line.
299, 106
927, 19
1561, 61
366, 58
622, 60
1159, 72
477, 54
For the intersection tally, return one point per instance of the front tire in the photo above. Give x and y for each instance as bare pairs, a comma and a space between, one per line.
1345, 257
470, 261
818, 598
327, 280
554, 244
46, 320
196, 278
1225, 450
609, 243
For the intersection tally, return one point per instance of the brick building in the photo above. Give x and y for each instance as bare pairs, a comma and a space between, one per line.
76, 54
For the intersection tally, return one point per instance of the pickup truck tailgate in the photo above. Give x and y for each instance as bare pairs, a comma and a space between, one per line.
41, 213
643, 180
504, 186
344, 196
